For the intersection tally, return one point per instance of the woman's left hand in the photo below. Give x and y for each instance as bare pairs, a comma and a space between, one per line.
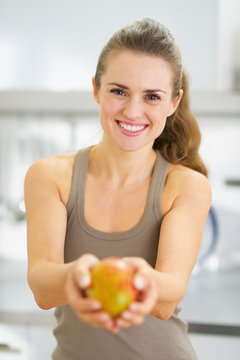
144, 282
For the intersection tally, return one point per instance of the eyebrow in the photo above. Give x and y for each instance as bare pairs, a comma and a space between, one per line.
146, 91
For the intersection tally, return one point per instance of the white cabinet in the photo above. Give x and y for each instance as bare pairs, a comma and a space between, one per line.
42, 342
209, 347
39, 340
13, 346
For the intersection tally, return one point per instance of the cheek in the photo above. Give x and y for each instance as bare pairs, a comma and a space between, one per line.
160, 115
160, 124
109, 110
111, 106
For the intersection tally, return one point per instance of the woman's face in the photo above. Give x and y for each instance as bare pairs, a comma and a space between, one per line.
135, 98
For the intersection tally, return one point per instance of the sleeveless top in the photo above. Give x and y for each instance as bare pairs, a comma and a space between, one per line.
155, 339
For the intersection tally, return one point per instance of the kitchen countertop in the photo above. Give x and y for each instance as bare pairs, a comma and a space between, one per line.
17, 305
211, 304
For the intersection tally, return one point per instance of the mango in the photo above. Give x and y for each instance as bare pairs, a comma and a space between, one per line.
112, 285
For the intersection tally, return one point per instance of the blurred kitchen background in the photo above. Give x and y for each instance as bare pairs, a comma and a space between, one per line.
48, 54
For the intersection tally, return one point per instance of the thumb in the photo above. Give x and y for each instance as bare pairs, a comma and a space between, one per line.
84, 281
83, 269
139, 282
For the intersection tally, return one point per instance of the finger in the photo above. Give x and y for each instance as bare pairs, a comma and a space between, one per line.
137, 320
132, 318
123, 324
98, 319
150, 299
140, 282
145, 304
89, 260
80, 303
89, 305
82, 270
129, 318
135, 262
76, 299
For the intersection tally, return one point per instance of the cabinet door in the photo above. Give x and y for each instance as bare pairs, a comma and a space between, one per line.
13, 343
42, 342
209, 347
34, 343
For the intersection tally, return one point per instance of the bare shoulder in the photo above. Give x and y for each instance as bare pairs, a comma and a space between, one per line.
187, 185
52, 166
184, 178
55, 171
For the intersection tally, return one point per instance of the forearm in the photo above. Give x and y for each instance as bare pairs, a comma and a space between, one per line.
47, 281
171, 290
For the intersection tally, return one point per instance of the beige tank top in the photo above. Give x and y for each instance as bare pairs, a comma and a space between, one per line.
155, 339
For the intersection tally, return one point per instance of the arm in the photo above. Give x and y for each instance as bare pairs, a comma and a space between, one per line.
52, 281
164, 287
180, 240
46, 227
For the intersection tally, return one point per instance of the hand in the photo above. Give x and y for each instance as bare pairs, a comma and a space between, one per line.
88, 310
147, 296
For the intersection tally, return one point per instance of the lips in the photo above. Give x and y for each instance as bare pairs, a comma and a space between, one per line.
131, 129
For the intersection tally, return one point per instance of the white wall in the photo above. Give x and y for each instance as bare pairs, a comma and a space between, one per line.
229, 45
55, 44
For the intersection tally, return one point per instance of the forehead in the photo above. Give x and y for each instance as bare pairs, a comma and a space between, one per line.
127, 66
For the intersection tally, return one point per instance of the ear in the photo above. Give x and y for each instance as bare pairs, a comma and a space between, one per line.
175, 102
95, 90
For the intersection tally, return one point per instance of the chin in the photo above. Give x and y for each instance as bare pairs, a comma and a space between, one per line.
131, 147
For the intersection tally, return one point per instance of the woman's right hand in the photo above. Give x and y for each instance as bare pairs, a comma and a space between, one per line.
88, 310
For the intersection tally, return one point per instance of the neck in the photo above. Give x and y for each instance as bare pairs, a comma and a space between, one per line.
120, 167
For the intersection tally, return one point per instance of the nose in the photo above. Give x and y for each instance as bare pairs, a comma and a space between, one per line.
133, 109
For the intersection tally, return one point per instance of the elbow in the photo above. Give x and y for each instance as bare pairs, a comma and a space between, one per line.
164, 312
166, 304
165, 315
41, 304
39, 298
41, 301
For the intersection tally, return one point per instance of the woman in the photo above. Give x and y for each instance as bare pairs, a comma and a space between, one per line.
141, 193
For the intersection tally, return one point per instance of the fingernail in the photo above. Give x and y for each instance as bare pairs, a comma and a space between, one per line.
120, 323
114, 328
104, 317
95, 306
133, 307
139, 282
84, 281
126, 315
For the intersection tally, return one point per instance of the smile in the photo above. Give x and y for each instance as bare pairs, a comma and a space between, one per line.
131, 129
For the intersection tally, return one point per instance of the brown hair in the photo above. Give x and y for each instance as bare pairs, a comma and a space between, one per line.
179, 142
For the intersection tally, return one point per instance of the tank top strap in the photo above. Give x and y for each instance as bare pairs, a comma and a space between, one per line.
78, 177
159, 180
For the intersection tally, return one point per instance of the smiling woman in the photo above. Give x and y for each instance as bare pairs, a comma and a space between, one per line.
176, 141
140, 194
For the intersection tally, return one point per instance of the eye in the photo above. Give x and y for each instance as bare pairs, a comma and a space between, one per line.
118, 91
153, 97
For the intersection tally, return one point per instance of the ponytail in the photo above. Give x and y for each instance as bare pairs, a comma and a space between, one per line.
180, 140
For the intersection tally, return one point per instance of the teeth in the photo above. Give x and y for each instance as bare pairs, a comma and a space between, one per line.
131, 128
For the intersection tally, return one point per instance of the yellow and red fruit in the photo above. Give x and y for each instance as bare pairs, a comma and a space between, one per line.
112, 285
